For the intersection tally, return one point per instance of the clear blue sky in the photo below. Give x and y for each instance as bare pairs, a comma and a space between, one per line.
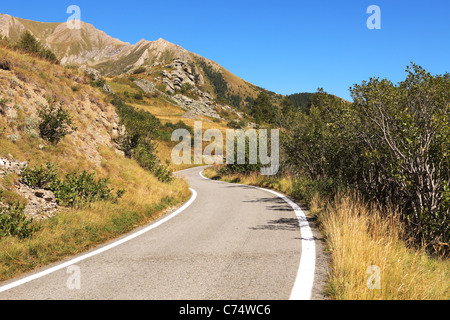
283, 46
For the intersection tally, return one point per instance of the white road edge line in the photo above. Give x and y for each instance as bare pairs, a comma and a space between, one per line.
102, 249
304, 281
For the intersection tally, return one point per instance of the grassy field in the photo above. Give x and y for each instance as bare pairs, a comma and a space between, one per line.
359, 236
75, 230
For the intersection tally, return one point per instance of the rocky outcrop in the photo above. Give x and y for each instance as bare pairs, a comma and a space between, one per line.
11, 166
146, 86
202, 106
178, 76
96, 76
40, 203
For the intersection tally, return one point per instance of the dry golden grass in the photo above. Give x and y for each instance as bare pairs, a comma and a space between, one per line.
73, 231
360, 236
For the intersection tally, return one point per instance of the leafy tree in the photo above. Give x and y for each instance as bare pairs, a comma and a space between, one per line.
263, 110
301, 100
406, 134
286, 105
391, 144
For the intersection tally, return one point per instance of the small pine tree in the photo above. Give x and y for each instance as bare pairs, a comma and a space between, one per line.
29, 43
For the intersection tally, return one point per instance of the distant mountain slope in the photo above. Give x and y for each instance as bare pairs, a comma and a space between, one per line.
112, 57
85, 46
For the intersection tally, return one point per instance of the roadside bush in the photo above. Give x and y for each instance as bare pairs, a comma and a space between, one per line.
391, 144
55, 123
77, 189
40, 177
81, 188
245, 167
145, 155
14, 222
163, 173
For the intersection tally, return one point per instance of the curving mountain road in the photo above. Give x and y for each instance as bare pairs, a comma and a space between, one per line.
229, 242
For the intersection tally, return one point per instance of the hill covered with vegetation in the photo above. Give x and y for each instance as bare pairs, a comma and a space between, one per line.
76, 168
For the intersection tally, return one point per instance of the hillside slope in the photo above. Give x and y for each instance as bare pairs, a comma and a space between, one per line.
26, 85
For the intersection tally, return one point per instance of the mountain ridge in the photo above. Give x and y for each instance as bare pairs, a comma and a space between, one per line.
93, 48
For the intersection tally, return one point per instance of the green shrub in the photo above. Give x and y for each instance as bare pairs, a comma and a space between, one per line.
263, 110
163, 173
139, 70
141, 127
100, 83
138, 96
14, 222
246, 167
40, 177
165, 131
55, 123
145, 155
81, 188
77, 189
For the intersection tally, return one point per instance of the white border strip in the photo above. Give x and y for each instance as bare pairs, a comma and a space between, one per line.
102, 249
304, 281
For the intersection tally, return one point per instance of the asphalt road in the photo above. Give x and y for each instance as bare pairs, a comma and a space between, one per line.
232, 242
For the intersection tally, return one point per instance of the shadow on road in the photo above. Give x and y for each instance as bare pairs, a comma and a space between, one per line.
289, 224
273, 203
